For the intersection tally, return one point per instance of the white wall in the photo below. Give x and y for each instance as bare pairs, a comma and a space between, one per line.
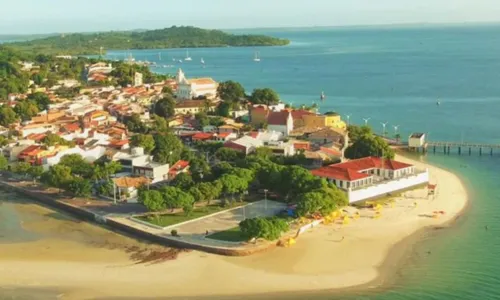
89, 155
388, 187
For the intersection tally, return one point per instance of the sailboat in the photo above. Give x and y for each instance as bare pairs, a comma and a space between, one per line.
202, 61
322, 96
438, 103
256, 57
188, 58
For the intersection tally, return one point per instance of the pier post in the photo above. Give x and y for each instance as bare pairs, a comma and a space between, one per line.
459, 150
491, 151
444, 149
434, 149
448, 149
480, 151
470, 151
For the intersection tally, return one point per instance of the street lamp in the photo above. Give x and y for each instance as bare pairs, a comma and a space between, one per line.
383, 127
265, 200
366, 121
396, 134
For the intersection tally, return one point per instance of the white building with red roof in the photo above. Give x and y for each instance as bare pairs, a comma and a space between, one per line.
372, 177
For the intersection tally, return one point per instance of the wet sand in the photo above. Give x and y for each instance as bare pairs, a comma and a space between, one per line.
87, 262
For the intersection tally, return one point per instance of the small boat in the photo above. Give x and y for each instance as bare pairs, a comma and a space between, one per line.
202, 61
180, 60
173, 59
438, 103
188, 58
322, 96
256, 57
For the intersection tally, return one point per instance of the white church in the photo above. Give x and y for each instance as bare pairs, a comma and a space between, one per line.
188, 89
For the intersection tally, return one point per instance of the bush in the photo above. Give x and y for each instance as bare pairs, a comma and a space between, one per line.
173, 232
266, 228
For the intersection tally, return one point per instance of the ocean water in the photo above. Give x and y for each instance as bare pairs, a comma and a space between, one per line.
394, 75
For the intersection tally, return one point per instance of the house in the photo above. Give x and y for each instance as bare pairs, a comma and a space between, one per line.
224, 136
245, 144
182, 166
156, 172
47, 117
135, 157
281, 121
372, 177
127, 187
193, 107
194, 88
298, 117
209, 128
202, 136
90, 155
329, 119
281, 148
258, 115
416, 140
326, 136
230, 128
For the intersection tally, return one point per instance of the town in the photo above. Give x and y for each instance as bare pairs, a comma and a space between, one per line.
189, 158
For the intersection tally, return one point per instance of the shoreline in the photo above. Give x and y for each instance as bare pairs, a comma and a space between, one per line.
300, 269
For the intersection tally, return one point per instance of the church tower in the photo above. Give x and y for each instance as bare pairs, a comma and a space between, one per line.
180, 78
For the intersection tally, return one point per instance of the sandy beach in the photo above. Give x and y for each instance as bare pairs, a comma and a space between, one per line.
327, 257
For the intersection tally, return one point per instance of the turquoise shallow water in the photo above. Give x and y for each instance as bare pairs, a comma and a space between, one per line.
397, 75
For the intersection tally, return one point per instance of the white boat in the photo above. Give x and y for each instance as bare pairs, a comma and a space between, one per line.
438, 103
188, 58
180, 60
322, 96
202, 61
256, 57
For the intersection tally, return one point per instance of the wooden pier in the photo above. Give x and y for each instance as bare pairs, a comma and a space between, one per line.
461, 147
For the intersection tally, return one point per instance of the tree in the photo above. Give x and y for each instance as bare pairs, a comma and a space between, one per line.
57, 176
209, 190
21, 168
153, 200
42, 100
198, 196
324, 201
264, 152
231, 184
160, 124
227, 154
175, 198
356, 132
168, 148
4, 141
231, 92
369, 145
167, 90
264, 96
135, 124
267, 228
199, 168
145, 141
80, 187
202, 119
4, 163
26, 110
165, 107
52, 139
35, 172
77, 164
183, 181
223, 109
7, 116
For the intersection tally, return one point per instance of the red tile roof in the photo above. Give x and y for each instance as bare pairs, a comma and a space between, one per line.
224, 135
339, 174
254, 134
298, 114
278, 118
351, 170
201, 136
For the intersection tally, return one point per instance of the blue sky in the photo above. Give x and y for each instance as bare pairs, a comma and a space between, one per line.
43, 16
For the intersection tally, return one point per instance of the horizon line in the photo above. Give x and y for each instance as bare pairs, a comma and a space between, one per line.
483, 23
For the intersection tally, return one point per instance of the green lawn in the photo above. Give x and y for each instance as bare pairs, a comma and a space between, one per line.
171, 219
230, 235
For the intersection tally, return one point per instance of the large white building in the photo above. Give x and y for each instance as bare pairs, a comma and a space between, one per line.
372, 177
196, 87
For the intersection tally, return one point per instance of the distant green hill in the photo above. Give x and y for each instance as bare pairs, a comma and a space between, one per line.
174, 37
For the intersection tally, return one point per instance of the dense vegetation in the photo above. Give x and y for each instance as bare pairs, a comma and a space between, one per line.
366, 143
173, 37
